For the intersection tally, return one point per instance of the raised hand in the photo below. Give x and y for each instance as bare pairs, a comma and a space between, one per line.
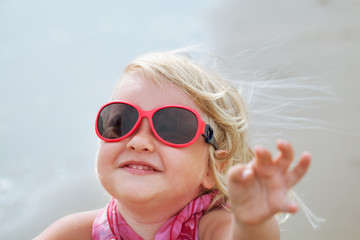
258, 190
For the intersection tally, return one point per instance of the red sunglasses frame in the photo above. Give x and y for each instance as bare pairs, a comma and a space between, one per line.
203, 129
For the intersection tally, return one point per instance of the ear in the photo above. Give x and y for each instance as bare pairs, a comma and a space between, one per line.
221, 155
209, 180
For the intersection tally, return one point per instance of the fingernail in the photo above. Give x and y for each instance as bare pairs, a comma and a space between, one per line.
283, 142
307, 153
259, 149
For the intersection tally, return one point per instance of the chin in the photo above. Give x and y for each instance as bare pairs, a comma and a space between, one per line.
136, 194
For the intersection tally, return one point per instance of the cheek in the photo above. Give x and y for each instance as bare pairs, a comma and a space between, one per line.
191, 163
106, 164
201, 154
107, 155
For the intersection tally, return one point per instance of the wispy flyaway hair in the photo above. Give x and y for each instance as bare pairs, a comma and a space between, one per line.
243, 107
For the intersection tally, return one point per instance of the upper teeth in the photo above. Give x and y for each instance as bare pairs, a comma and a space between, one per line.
140, 167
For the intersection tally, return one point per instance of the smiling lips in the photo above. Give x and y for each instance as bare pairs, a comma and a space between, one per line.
141, 168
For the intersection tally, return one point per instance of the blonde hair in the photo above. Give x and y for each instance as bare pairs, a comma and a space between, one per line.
216, 97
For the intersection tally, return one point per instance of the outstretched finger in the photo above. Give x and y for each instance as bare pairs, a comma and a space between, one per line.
286, 156
289, 207
299, 170
262, 157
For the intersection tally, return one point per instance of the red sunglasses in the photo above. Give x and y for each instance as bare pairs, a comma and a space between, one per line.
176, 126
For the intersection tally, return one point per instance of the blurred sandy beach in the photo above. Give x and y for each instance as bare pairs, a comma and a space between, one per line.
60, 59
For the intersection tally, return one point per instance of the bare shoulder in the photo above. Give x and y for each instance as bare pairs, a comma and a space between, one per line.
215, 224
74, 226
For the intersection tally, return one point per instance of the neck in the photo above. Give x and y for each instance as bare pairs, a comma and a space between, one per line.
145, 215
146, 220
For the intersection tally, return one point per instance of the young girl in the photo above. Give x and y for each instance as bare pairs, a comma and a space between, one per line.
175, 157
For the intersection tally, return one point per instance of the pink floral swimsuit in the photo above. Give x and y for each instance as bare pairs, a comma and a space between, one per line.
110, 225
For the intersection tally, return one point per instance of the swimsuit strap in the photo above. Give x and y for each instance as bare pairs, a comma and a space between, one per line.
110, 225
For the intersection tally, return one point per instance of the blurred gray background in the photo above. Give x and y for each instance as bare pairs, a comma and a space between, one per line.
59, 61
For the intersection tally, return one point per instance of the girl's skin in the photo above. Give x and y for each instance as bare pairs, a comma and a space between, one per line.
147, 199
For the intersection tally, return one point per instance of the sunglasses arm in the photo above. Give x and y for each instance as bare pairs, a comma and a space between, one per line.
209, 136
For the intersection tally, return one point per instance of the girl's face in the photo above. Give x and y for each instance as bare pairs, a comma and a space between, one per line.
142, 169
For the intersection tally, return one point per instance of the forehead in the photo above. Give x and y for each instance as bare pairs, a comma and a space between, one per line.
148, 94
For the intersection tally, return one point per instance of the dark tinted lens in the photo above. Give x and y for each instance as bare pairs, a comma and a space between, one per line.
175, 125
116, 120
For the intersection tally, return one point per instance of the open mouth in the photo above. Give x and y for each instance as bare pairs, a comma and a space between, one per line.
140, 167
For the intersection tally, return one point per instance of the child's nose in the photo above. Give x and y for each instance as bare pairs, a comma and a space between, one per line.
143, 138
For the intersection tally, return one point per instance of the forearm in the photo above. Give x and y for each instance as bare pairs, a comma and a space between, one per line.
267, 230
